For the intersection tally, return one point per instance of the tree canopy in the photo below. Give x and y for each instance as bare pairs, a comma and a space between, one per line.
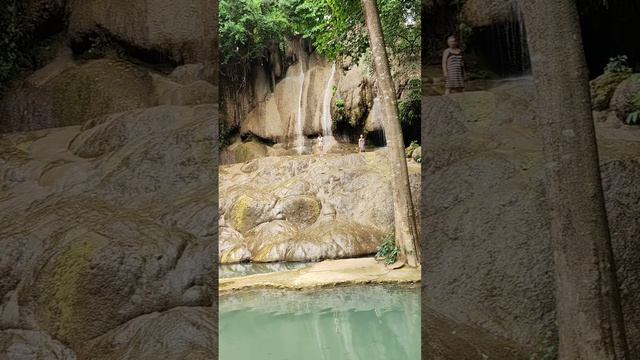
334, 27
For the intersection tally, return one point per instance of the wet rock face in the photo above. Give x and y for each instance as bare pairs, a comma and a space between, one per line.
306, 207
479, 13
186, 30
110, 232
486, 220
275, 118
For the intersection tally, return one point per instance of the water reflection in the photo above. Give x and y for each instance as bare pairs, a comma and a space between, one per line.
235, 270
360, 322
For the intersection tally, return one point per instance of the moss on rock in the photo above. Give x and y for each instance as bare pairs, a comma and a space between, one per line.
603, 87
250, 210
301, 210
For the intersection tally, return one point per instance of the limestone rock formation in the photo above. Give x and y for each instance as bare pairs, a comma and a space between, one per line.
274, 116
74, 95
109, 231
486, 221
306, 207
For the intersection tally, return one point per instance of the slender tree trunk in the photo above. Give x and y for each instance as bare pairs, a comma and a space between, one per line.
406, 232
588, 305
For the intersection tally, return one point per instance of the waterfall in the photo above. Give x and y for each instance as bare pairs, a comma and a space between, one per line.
521, 31
376, 114
300, 139
327, 121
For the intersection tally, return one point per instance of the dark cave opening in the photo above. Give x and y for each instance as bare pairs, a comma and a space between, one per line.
610, 29
100, 43
501, 48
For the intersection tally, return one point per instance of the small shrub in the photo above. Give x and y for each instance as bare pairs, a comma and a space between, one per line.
388, 251
634, 117
618, 64
341, 111
409, 150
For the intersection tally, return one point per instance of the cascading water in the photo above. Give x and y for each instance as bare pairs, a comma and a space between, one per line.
376, 113
521, 32
504, 45
327, 121
300, 139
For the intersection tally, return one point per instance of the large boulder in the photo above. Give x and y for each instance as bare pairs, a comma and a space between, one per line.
355, 95
603, 87
486, 223
622, 99
300, 208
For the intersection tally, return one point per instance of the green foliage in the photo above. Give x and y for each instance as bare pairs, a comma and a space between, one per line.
634, 117
341, 110
412, 146
101, 46
23, 47
387, 250
248, 27
618, 64
13, 37
410, 108
334, 27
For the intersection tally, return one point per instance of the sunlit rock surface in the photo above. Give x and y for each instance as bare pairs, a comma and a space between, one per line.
299, 208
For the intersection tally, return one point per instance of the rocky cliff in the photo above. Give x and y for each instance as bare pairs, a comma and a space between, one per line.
266, 101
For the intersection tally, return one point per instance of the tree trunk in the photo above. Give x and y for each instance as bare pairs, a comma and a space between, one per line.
406, 233
588, 305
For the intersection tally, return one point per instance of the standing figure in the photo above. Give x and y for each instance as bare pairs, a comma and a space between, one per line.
361, 143
320, 144
453, 67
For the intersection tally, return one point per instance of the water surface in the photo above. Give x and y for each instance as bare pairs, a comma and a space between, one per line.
343, 323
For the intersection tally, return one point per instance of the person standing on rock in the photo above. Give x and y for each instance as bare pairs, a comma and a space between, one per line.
320, 144
361, 143
453, 67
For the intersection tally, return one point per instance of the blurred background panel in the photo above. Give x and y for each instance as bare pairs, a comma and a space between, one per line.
108, 179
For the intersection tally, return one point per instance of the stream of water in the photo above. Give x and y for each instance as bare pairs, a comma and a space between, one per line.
327, 121
300, 139
354, 323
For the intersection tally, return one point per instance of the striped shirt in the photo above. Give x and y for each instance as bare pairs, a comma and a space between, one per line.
455, 70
